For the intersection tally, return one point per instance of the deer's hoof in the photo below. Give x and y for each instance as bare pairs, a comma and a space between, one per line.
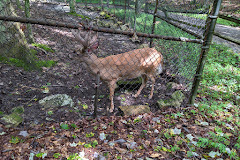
111, 110
135, 95
150, 97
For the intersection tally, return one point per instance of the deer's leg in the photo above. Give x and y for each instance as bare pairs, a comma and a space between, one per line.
112, 86
144, 82
153, 83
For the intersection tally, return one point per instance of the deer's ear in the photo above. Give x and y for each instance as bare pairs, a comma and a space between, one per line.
93, 47
94, 39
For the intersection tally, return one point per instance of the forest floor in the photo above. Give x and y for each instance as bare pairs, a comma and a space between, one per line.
71, 132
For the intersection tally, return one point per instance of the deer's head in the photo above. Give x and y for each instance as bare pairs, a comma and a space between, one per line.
88, 40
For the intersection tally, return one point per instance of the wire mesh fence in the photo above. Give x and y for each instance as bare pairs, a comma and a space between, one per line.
119, 55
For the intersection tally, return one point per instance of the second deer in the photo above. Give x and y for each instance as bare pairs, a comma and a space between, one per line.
146, 62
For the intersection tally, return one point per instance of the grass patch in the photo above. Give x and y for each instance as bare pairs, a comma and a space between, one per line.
217, 101
219, 20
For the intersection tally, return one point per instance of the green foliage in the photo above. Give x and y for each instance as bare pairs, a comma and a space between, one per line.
88, 145
220, 77
64, 126
56, 155
41, 155
14, 140
91, 144
88, 135
94, 143
219, 20
219, 141
74, 136
50, 113
167, 135
74, 156
74, 125
137, 120
174, 148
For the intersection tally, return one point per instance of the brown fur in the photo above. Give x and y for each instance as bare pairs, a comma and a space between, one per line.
140, 62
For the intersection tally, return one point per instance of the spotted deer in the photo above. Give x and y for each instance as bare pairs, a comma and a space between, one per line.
145, 62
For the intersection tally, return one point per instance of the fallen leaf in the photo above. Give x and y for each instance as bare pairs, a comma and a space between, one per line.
155, 155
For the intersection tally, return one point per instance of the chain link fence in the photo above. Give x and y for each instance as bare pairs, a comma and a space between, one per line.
45, 34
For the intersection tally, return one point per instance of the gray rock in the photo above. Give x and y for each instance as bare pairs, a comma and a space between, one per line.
56, 101
176, 100
23, 133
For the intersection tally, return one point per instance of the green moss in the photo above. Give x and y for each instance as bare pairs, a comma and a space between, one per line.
18, 110
79, 15
43, 46
26, 64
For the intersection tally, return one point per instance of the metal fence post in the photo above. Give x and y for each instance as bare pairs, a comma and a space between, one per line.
210, 26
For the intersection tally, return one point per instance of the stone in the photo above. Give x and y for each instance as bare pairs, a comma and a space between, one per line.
176, 100
178, 95
56, 100
15, 118
135, 109
23, 133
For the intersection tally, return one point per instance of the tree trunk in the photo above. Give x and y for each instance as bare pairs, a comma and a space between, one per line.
29, 27
13, 43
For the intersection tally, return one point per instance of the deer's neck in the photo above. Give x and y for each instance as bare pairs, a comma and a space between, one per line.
92, 63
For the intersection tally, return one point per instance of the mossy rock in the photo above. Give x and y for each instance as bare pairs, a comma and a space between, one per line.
56, 100
15, 118
178, 95
176, 100
135, 110
19, 110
